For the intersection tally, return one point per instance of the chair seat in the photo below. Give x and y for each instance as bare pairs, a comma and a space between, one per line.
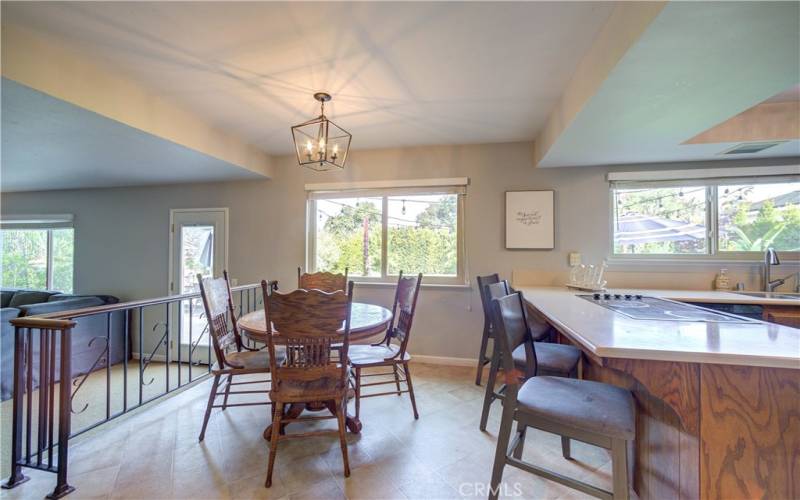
553, 359
250, 360
363, 355
592, 406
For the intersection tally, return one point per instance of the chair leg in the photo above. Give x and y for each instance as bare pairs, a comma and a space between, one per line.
488, 398
503, 438
522, 430
340, 413
411, 390
396, 379
358, 391
227, 391
566, 448
482, 357
619, 466
211, 397
273, 442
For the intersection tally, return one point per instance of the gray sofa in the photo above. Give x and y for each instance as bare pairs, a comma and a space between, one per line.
16, 303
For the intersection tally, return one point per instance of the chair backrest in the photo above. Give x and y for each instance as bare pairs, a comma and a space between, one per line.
327, 282
486, 303
493, 291
511, 331
405, 305
218, 305
308, 324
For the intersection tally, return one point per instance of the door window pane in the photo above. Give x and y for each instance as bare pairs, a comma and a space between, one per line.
754, 217
423, 235
25, 258
197, 255
668, 221
349, 236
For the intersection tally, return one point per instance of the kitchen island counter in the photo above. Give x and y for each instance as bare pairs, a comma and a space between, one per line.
609, 334
718, 403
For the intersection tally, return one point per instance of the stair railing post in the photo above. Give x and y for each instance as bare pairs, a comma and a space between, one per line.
64, 394
17, 477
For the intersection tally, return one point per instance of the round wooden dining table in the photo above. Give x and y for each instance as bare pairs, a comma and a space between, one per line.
366, 320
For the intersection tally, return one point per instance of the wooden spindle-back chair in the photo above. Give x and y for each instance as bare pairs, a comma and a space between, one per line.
233, 356
389, 354
309, 325
327, 282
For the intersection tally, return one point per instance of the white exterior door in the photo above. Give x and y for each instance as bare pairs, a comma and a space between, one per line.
199, 245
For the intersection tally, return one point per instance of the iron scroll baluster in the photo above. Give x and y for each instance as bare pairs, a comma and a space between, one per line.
78, 383
46, 393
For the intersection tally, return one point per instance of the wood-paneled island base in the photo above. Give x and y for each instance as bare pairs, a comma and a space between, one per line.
721, 424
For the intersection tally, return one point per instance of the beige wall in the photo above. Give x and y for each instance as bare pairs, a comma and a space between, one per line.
122, 234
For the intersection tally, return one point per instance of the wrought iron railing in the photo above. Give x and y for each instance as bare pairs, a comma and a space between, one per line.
52, 393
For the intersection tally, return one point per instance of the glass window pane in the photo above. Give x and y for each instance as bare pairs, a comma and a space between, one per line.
669, 221
63, 257
423, 235
754, 217
197, 256
24, 258
349, 234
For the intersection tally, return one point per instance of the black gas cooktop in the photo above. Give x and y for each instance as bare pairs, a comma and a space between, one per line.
652, 308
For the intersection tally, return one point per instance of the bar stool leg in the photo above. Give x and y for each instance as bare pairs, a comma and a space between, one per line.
482, 357
503, 438
619, 465
522, 431
489, 397
566, 448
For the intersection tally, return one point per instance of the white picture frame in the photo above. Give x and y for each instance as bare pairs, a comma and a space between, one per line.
530, 220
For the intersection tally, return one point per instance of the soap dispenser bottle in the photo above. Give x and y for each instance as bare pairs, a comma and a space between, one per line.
722, 281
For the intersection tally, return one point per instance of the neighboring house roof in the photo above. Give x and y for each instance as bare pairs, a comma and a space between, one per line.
635, 228
792, 198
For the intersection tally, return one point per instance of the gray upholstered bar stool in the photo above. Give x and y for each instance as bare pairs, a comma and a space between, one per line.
595, 413
558, 360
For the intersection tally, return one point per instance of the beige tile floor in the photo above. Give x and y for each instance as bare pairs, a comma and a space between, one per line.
154, 453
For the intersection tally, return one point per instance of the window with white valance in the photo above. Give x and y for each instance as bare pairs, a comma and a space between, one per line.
38, 251
376, 229
716, 213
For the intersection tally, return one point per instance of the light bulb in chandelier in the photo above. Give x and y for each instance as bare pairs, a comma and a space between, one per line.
319, 143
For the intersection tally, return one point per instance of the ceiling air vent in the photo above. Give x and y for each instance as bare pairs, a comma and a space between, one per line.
750, 148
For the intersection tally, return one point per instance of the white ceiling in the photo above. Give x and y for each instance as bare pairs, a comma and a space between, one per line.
400, 73
697, 65
50, 144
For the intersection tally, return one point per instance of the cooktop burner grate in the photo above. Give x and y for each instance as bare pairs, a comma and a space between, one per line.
655, 309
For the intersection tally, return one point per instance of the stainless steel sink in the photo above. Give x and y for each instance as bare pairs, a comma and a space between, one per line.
772, 295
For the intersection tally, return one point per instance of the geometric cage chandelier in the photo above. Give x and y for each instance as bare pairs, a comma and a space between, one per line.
319, 143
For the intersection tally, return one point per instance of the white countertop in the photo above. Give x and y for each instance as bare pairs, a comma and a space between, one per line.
714, 296
609, 334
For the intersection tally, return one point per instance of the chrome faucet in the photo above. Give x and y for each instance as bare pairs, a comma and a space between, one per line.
771, 259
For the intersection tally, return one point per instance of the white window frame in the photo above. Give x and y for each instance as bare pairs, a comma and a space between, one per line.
404, 188
49, 223
697, 178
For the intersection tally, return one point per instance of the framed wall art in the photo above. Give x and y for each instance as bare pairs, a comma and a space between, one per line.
530, 220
